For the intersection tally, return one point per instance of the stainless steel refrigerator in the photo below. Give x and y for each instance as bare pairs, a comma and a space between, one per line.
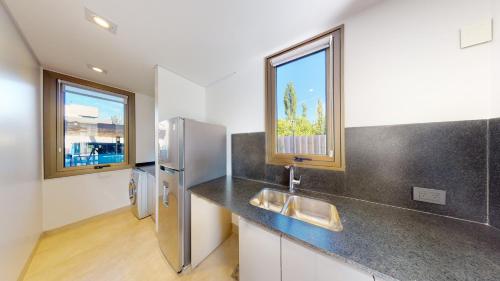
190, 152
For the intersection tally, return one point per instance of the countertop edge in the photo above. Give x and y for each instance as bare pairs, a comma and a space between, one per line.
369, 270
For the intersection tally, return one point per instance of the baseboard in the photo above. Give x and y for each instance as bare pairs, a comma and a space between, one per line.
30, 258
86, 220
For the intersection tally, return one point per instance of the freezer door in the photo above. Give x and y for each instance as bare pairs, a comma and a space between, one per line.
171, 143
205, 152
170, 202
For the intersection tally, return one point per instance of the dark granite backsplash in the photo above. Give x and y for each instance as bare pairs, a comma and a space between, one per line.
385, 162
494, 171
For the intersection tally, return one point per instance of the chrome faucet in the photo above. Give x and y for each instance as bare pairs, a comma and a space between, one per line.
293, 181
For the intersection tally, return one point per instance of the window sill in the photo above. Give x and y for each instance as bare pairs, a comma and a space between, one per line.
71, 173
318, 166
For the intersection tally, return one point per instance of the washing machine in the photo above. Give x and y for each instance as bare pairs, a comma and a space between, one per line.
138, 193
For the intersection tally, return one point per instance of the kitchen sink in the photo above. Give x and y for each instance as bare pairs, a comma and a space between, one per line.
302, 208
270, 199
313, 211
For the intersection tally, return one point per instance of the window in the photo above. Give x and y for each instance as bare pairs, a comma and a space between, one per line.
87, 127
304, 118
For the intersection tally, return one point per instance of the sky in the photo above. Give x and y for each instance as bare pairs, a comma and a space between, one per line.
308, 75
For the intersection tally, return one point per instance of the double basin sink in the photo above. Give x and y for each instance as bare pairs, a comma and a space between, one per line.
302, 208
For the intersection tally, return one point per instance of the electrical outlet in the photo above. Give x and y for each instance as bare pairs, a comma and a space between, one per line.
429, 195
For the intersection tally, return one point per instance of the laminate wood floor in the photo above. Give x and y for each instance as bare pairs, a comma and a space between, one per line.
119, 247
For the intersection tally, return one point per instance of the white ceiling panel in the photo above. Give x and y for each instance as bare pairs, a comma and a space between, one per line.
200, 40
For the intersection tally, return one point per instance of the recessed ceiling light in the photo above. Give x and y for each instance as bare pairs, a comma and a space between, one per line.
100, 21
96, 69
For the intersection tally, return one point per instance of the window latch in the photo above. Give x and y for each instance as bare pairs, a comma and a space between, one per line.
101, 166
301, 159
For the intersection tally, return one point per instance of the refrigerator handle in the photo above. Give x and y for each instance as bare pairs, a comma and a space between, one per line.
165, 194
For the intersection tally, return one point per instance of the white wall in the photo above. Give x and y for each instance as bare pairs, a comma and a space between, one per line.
177, 96
495, 52
71, 199
20, 151
403, 64
238, 102
144, 128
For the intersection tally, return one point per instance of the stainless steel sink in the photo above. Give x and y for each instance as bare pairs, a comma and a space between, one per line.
270, 199
313, 211
302, 208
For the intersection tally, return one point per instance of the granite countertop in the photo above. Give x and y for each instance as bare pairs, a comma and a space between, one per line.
391, 243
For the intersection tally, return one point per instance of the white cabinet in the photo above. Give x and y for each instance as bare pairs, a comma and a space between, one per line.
298, 263
266, 256
303, 264
210, 226
260, 253
151, 196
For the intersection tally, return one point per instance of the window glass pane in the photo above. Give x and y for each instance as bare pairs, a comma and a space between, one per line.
301, 105
93, 128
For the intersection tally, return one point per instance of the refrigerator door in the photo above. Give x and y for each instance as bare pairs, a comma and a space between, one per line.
170, 216
204, 153
171, 143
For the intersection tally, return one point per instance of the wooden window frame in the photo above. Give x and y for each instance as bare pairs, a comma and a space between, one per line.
53, 128
334, 111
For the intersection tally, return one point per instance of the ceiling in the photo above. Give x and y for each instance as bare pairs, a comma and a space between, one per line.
202, 40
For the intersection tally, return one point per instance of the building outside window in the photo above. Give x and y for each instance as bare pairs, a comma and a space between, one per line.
88, 127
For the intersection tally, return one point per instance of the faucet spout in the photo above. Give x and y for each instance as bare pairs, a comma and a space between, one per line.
293, 182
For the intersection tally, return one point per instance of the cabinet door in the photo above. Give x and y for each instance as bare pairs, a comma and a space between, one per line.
151, 197
333, 269
210, 226
300, 263
259, 253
